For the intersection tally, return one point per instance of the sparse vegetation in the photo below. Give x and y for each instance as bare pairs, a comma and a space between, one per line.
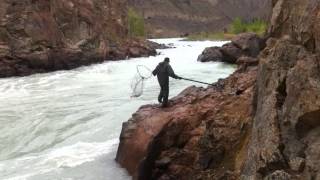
237, 26
256, 26
135, 23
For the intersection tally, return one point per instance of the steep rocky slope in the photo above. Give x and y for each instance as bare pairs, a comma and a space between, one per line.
41, 36
286, 130
177, 17
260, 123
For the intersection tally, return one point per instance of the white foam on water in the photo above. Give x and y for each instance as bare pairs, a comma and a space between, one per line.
65, 157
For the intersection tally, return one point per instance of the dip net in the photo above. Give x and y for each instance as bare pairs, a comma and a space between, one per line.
139, 80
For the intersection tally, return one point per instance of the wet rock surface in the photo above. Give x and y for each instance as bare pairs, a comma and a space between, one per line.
42, 36
242, 45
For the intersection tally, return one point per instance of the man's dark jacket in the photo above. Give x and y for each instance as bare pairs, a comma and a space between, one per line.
163, 71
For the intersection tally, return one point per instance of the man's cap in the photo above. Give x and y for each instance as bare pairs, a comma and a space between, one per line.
166, 59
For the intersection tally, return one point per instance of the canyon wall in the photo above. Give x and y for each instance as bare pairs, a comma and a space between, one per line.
40, 36
172, 18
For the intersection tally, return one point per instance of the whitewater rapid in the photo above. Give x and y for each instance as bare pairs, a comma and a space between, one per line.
65, 125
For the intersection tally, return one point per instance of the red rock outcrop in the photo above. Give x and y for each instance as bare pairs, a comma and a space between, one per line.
41, 36
203, 129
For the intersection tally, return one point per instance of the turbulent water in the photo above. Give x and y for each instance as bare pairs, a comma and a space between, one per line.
65, 125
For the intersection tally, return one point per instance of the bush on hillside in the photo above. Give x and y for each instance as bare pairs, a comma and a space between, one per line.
256, 26
136, 24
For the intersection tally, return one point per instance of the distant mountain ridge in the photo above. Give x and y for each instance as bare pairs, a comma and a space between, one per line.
168, 18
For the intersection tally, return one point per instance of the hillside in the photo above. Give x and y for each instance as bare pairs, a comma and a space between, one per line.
169, 18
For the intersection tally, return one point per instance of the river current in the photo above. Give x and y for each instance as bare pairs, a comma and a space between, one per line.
65, 125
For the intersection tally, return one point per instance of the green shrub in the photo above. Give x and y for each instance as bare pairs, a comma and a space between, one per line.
136, 24
256, 26
238, 26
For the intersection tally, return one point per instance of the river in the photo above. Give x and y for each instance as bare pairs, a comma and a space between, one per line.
65, 125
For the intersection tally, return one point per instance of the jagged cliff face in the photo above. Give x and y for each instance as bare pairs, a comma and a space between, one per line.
34, 26
177, 17
39, 36
42, 35
286, 131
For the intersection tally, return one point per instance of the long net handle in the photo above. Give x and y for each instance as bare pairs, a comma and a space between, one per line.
197, 81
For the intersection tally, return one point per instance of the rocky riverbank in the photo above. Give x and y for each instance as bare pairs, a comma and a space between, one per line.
262, 122
243, 48
42, 36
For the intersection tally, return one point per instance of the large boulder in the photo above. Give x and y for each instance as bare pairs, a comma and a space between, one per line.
250, 43
211, 54
142, 48
245, 44
197, 137
136, 135
231, 53
155, 45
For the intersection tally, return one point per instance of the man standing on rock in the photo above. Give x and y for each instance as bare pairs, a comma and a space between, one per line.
163, 71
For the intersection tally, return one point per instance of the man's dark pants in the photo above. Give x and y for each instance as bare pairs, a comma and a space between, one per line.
164, 94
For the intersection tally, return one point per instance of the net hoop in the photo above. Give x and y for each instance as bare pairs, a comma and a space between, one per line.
139, 70
138, 82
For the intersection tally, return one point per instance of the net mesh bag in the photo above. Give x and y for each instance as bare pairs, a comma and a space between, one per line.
138, 81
